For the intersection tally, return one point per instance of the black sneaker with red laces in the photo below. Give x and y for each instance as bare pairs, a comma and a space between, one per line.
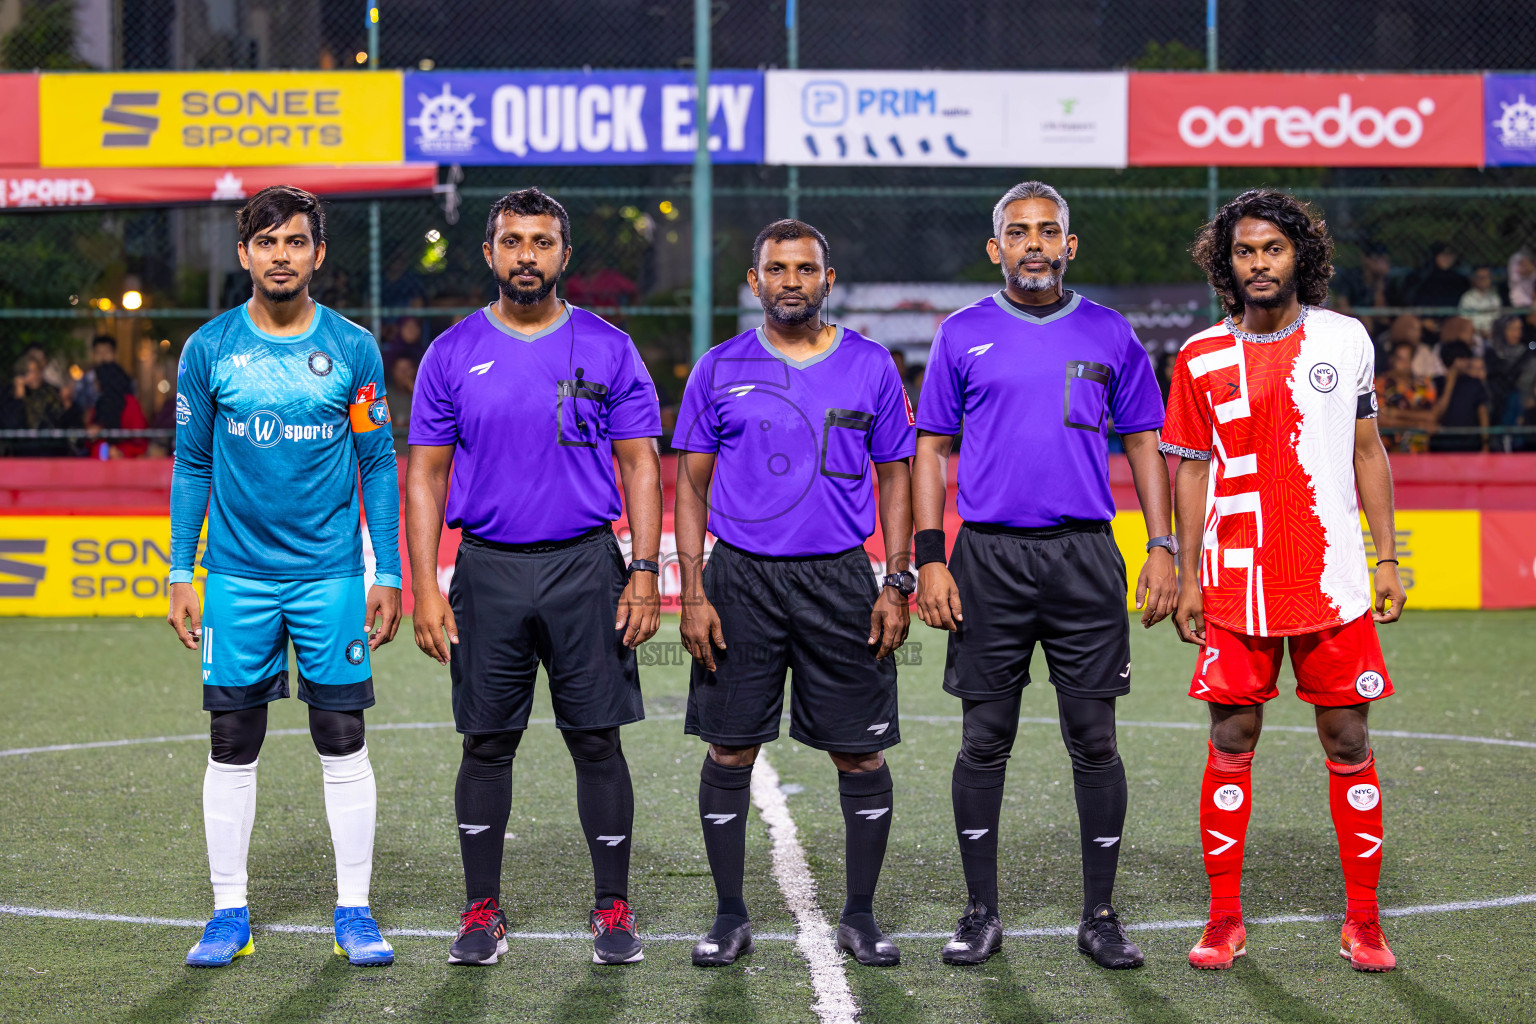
482, 934
613, 935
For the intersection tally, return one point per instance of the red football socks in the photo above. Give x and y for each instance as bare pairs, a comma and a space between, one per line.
1225, 806
1354, 797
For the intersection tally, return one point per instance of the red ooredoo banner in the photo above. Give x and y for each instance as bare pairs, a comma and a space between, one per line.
1297, 120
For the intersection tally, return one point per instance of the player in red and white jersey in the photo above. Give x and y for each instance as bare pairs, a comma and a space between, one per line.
1273, 415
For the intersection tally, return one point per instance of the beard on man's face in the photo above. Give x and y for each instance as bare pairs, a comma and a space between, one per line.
1282, 294
527, 296
793, 316
288, 291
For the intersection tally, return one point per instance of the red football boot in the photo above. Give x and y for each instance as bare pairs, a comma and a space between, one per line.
1363, 945
1224, 940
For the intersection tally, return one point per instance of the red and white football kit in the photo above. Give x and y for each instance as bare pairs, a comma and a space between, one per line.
1282, 553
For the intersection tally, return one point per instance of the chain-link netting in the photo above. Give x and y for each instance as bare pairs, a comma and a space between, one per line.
63, 274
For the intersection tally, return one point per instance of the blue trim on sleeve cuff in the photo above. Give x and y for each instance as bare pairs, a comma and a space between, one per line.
384, 579
180, 576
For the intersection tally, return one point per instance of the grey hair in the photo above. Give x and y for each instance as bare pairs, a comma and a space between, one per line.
1028, 190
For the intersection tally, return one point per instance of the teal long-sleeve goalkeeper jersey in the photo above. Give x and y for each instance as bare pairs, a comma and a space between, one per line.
271, 435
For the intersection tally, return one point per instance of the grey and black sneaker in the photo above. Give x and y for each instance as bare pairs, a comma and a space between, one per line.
859, 935
978, 936
1103, 937
729, 938
482, 934
613, 935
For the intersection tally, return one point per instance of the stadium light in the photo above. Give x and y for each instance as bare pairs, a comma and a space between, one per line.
362, 56
132, 299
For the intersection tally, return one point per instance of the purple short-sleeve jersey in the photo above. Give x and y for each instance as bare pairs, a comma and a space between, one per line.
794, 440
1036, 397
532, 418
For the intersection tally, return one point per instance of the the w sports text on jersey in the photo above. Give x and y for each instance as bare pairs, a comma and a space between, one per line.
1027, 462
1283, 552
277, 428
795, 440
533, 418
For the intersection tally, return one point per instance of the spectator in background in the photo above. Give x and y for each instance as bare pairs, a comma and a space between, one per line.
1463, 401
118, 409
1458, 329
1521, 282
1371, 284
103, 350
402, 386
1511, 360
1480, 303
1440, 283
38, 405
1406, 402
1409, 330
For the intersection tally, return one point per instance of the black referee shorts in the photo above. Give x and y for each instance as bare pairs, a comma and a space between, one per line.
519, 606
806, 615
1063, 587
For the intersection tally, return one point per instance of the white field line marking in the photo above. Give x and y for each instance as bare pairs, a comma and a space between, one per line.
372, 727
1016, 933
834, 1002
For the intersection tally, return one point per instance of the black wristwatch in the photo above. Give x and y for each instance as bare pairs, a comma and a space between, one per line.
904, 582
1170, 542
642, 565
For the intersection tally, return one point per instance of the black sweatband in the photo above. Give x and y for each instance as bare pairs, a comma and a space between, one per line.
1386, 561
928, 547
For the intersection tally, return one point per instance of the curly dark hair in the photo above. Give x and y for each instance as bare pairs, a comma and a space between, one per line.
528, 202
1302, 224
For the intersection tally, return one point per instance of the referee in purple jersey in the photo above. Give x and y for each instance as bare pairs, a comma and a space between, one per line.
523, 407
1036, 374
778, 429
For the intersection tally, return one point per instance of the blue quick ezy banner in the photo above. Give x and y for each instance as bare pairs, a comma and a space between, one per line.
1509, 113
579, 117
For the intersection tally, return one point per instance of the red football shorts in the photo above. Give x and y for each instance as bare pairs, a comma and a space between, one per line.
1334, 667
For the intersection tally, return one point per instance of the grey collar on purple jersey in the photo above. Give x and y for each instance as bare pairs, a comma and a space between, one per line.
1067, 310
1265, 339
800, 364
565, 314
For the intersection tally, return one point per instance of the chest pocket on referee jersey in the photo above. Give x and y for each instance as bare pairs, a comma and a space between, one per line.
1087, 397
845, 443
578, 412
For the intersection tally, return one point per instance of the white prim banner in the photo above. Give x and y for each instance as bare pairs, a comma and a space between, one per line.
946, 118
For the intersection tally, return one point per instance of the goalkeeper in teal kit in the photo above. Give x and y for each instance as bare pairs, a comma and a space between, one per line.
280, 409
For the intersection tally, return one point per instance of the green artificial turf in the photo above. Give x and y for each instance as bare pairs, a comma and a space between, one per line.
118, 830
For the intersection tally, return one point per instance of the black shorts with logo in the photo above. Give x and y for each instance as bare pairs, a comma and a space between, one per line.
521, 605
806, 615
1062, 586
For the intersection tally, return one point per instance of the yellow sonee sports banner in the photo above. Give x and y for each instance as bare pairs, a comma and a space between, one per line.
217, 119
85, 565
1439, 555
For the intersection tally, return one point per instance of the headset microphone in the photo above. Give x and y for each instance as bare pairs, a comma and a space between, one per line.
1056, 263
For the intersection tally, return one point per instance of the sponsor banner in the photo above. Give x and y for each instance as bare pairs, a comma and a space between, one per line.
1509, 114
947, 118
575, 117
1306, 120
86, 565
218, 119
24, 188
18, 119
1439, 556
1509, 559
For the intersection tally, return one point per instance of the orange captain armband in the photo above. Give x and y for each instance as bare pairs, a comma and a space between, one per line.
367, 412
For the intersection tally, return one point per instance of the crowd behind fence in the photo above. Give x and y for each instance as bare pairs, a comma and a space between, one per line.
1430, 259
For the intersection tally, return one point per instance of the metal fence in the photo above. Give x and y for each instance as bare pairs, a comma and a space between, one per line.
62, 274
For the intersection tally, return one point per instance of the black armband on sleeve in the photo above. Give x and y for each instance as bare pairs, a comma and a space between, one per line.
928, 547
1365, 406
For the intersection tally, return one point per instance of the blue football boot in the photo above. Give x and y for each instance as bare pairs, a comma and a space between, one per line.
225, 937
358, 938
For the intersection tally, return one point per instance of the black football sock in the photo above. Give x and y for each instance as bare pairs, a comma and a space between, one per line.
978, 799
866, 800
1101, 797
605, 802
482, 799
724, 796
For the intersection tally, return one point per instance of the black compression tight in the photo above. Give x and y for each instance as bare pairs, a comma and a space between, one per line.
236, 736
1087, 727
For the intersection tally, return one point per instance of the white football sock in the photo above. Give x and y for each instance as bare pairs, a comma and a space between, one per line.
351, 804
229, 810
